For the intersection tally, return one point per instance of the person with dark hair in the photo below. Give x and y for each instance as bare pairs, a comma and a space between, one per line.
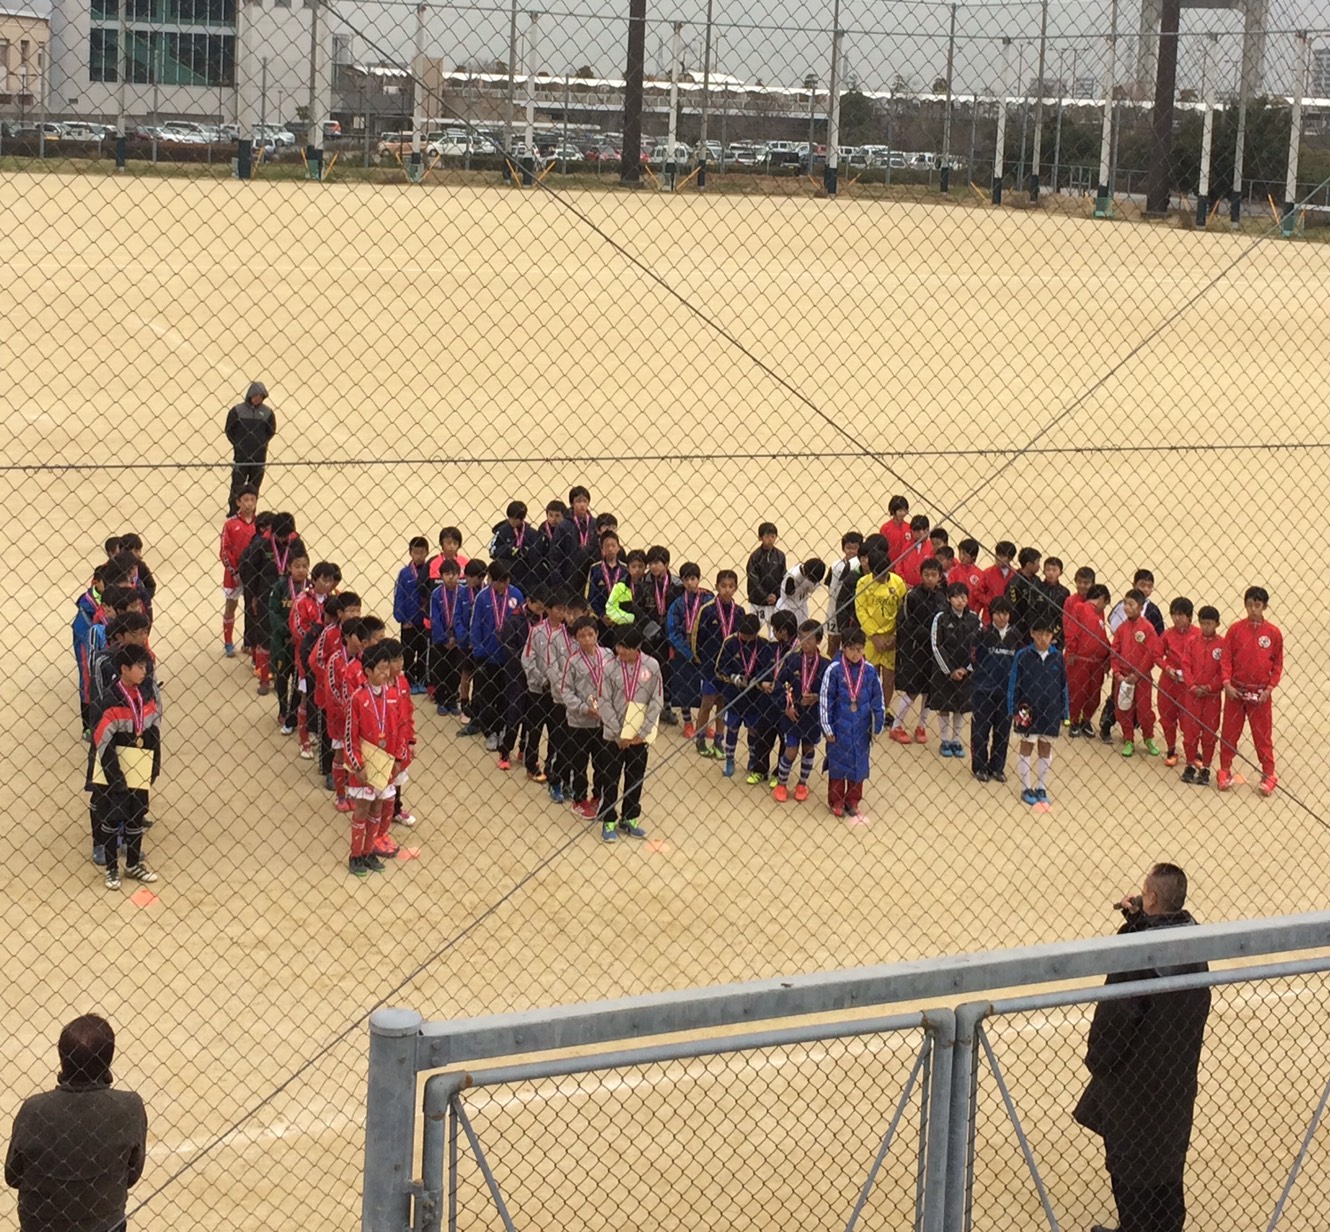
631, 699
766, 572
878, 595
990, 727
896, 529
914, 660
1203, 687
250, 425
411, 611
1143, 1054
953, 636
1252, 666
909, 565
851, 710
238, 531
1037, 702
75, 1152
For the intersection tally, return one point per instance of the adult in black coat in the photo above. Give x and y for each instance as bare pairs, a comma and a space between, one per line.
76, 1151
1143, 1055
250, 425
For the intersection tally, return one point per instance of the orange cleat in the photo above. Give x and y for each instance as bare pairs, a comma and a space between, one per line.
838, 811
1268, 785
780, 794
801, 792
1224, 780
921, 735
689, 731
1171, 759
899, 735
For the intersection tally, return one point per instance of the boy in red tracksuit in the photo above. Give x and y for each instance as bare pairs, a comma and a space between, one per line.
1253, 665
966, 570
1137, 651
1203, 689
910, 564
1172, 688
896, 529
336, 612
342, 676
237, 532
398, 814
307, 615
371, 720
997, 576
1087, 651
1085, 578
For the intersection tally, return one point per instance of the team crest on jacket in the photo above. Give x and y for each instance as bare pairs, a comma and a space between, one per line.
1263, 642
1140, 635
1216, 654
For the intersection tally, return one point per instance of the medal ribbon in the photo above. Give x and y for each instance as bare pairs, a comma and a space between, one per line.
692, 609
500, 605
595, 665
583, 531
807, 670
854, 686
662, 591
726, 626
748, 663
136, 707
630, 690
380, 712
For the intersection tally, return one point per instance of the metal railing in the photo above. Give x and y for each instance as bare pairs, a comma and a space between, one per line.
940, 1058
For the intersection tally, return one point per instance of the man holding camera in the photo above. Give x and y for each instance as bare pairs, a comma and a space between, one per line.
1143, 1054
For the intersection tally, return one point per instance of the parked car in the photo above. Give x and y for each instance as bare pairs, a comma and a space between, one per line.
683, 156
569, 153
274, 133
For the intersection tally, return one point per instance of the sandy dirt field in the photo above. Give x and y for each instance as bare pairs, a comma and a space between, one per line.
434, 354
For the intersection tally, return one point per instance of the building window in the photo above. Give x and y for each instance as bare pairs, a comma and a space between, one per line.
102, 56
341, 48
23, 52
199, 60
201, 12
105, 10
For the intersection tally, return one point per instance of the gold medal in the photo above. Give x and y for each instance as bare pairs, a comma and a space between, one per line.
138, 742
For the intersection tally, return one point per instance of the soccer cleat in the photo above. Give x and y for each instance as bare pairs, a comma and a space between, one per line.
141, 872
417, 690
342, 804
556, 793
981, 776
1224, 780
469, 729
1152, 748
229, 650
328, 782
729, 768
781, 793
1268, 785
1189, 774
538, 777
306, 753
997, 776
609, 832
711, 732
689, 730
586, 808
264, 688
838, 810
1106, 735
1171, 757
714, 752
1087, 729
632, 829
1074, 731
440, 709
372, 862
87, 735
386, 847
112, 879
668, 717
1128, 748
504, 763
288, 730
98, 854
404, 819
492, 742
1041, 795
754, 778
1203, 777
921, 735
801, 792
1029, 796
899, 735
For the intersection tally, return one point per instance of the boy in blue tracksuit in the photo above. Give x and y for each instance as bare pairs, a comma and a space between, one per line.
852, 712
445, 656
764, 734
409, 611
492, 608
990, 723
474, 576
681, 619
743, 662
718, 620
798, 684
87, 612
1038, 703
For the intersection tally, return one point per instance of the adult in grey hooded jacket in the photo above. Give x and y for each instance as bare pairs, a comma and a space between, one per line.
250, 425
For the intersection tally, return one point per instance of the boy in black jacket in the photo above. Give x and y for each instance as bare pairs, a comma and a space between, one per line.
953, 637
766, 572
990, 727
914, 655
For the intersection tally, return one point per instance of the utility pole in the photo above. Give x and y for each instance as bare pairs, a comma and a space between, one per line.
1037, 156
1158, 187
703, 153
630, 165
946, 115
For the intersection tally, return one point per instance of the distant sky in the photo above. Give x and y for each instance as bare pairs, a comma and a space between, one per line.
780, 41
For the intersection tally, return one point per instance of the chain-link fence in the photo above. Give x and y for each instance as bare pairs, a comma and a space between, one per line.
197, 197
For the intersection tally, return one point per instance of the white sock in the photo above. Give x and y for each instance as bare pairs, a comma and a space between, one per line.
943, 724
1041, 769
1023, 769
902, 708
956, 727
924, 715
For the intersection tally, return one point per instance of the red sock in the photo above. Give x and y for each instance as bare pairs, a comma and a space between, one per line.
358, 830
302, 726
228, 631
339, 781
264, 660
385, 820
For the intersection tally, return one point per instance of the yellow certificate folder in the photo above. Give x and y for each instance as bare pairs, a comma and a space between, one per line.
135, 765
378, 766
634, 719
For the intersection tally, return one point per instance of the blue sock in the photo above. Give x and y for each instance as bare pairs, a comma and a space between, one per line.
806, 763
731, 740
784, 765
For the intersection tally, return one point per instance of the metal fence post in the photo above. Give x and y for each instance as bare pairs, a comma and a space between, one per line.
960, 1126
390, 1120
942, 1027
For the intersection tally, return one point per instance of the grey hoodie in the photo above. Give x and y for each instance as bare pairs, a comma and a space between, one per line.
579, 685
249, 428
614, 701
